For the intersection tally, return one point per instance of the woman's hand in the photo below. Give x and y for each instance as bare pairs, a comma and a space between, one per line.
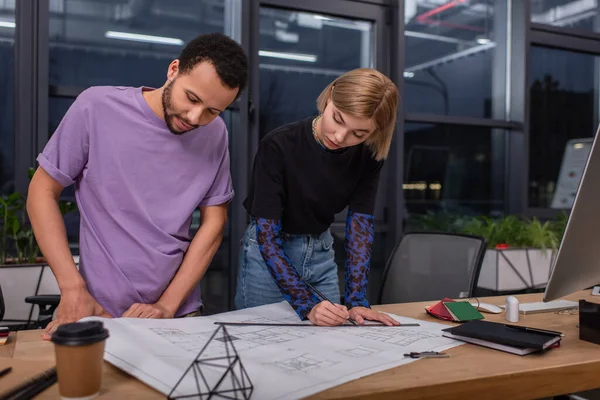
360, 314
328, 314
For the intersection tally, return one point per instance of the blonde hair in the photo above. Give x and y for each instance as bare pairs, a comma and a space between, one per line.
366, 93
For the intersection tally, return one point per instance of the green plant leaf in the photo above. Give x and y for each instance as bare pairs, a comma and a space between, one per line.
511, 230
67, 206
13, 225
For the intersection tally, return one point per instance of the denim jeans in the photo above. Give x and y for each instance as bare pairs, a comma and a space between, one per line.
311, 255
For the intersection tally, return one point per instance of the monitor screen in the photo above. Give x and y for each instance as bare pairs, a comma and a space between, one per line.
577, 263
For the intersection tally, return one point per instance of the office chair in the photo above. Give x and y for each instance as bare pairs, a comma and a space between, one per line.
11, 324
432, 265
47, 304
2, 306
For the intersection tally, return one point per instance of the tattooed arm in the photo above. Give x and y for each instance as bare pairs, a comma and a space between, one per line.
294, 290
360, 231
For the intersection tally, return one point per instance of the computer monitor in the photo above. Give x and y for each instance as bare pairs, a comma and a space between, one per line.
577, 263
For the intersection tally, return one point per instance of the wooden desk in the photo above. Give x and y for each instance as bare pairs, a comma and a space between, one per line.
9, 347
470, 371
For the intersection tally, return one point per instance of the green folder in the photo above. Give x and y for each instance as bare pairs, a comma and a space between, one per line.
463, 311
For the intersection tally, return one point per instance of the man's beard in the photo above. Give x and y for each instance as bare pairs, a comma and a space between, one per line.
166, 104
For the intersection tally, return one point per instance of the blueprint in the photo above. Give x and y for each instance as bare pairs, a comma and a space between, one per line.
282, 362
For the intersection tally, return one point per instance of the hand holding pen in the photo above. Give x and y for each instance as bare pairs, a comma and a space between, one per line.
327, 313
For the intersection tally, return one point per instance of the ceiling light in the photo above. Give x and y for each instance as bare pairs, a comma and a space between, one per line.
288, 56
429, 36
136, 37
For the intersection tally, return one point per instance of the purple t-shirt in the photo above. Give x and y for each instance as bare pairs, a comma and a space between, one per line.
137, 185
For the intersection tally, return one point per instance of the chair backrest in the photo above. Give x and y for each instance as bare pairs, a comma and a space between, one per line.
430, 266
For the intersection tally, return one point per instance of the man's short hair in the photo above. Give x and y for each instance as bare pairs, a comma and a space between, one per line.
224, 53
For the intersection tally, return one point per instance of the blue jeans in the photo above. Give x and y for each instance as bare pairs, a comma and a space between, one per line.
311, 255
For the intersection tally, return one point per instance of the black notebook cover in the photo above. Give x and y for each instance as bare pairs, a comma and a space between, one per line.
499, 333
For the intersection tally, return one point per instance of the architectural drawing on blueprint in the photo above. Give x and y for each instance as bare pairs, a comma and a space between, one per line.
283, 362
266, 336
192, 342
172, 334
399, 337
359, 351
243, 337
303, 363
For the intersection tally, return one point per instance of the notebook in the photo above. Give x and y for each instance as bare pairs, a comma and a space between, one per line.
439, 310
456, 311
502, 337
463, 311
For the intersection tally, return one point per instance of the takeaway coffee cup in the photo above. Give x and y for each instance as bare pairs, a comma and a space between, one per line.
79, 349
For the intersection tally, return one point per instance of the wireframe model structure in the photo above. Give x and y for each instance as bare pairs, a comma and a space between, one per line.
215, 377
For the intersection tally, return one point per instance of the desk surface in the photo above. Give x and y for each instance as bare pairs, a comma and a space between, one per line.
469, 371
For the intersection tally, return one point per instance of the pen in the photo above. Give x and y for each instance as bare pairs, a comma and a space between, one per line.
526, 328
322, 296
36, 388
31, 387
5, 371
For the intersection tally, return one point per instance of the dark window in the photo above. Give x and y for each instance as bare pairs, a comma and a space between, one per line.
450, 57
7, 136
453, 169
564, 106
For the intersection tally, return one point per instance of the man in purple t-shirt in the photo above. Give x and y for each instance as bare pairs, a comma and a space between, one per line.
142, 160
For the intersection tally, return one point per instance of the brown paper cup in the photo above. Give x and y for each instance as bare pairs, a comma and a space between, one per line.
79, 350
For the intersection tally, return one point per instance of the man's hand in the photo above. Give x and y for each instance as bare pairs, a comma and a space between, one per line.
360, 314
328, 314
74, 305
156, 310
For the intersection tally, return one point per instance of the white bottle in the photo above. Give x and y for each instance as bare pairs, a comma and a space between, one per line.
512, 309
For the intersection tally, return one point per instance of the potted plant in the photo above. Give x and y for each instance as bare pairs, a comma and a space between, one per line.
17, 241
520, 251
14, 232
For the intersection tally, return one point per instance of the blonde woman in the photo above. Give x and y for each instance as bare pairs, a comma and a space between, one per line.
304, 174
